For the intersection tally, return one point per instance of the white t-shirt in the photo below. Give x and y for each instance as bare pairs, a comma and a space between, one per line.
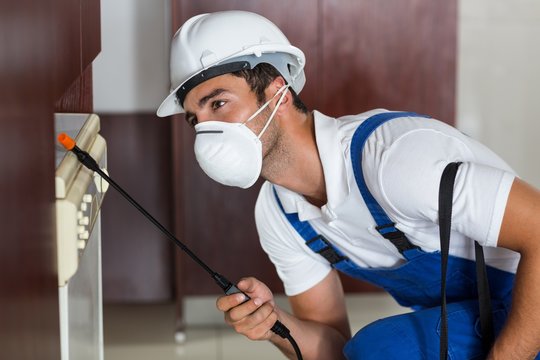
402, 162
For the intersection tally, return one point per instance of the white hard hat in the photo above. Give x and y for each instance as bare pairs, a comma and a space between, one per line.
209, 45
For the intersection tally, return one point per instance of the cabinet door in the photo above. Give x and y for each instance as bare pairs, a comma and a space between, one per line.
39, 61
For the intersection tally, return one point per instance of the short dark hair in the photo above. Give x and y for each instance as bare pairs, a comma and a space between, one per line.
260, 77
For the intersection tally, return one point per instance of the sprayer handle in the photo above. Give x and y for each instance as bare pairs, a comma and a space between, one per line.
278, 327
234, 290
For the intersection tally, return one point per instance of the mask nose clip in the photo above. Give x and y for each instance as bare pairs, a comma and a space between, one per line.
208, 132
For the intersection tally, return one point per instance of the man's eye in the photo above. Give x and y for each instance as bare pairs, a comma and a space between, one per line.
217, 104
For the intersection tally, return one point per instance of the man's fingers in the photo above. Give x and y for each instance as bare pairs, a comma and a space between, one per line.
256, 324
254, 288
240, 312
262, 331
225, 303
247, 285
253, 318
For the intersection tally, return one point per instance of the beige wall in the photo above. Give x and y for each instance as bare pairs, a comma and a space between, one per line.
131, 74
499, 79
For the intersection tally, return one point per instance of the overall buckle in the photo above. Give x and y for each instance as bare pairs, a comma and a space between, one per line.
328, 251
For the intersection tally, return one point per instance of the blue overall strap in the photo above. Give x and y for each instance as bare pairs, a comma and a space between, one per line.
385, 226
314, 241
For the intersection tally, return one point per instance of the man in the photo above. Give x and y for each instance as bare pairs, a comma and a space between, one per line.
328, 184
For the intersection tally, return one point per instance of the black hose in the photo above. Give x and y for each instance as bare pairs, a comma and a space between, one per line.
226, 285
285, 333
295, 347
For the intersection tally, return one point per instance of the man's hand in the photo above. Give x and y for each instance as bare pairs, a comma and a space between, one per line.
319, 326
253, 318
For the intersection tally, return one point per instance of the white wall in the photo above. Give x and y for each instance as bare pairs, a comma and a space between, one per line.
131, 74
499, 79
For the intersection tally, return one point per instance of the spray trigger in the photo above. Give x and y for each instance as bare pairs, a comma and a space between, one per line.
228, 287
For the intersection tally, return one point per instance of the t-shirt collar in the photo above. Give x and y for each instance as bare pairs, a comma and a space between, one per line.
335, 174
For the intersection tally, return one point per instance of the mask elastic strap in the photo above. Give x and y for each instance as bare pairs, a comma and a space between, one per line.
265, 104
274, 111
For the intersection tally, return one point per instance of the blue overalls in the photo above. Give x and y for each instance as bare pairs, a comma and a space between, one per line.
416, 284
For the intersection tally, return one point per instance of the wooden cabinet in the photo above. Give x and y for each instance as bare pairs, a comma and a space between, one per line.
46, 46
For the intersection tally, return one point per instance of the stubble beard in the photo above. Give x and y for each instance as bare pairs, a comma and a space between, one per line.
275, 154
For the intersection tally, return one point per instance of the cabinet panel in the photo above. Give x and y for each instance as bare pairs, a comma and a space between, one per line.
40, 58
67, 44
90, 31
398, 55
77, 41
78, 97
137, 258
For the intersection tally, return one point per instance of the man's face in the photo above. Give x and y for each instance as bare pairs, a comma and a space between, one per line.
225, 98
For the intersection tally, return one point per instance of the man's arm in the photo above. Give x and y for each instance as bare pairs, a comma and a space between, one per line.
319, 325
520, 231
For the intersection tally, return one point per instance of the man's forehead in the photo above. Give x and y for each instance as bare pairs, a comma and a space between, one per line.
215, 86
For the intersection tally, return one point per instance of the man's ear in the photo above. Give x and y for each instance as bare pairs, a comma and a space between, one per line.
278, 82
274, 87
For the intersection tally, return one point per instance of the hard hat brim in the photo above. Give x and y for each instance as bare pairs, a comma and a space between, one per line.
171, 105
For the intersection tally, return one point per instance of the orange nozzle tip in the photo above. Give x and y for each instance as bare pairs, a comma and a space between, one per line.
66, 141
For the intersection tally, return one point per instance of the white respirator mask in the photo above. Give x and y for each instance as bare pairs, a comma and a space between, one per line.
230, 153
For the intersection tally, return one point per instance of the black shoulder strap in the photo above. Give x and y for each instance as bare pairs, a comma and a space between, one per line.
484, 299
446, 191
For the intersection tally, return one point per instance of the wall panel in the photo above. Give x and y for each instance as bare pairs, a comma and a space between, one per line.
137, 258
398, 55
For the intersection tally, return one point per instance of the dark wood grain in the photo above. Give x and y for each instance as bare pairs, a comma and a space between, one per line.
39, 60
66, 19
398, 55
78, 98
137, 258
90, 31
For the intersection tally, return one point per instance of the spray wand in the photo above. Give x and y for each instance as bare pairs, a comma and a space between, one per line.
228, 287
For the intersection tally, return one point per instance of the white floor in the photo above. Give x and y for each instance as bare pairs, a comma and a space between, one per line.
146, 332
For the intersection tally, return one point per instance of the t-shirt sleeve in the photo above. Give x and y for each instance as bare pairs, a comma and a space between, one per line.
408, 179
297, 267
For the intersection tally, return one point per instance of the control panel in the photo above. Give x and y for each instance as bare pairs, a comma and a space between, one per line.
79, 192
